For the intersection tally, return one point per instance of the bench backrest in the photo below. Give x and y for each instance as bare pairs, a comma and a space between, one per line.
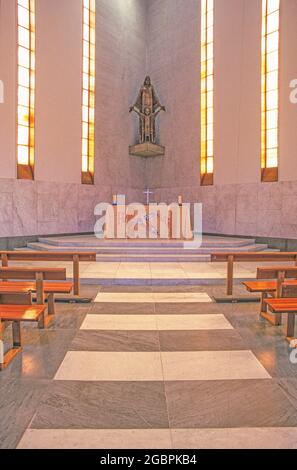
276, 272
24, 298
46, 256
31, 273
255, 256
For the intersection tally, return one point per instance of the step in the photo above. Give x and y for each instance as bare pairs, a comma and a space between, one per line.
92, 241
129, 251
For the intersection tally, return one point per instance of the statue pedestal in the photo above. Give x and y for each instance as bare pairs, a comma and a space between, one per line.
147, 150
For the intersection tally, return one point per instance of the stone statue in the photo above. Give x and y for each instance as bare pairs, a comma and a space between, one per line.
147, 106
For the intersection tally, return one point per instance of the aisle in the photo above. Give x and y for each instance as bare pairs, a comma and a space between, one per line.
156, 369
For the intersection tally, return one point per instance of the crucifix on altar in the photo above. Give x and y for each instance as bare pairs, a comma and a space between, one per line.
148, 193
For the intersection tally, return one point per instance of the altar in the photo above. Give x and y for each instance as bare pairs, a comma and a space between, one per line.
150, 221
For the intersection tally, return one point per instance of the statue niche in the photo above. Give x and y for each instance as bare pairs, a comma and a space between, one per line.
147, 107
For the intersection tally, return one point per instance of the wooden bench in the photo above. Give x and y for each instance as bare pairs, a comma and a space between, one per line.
19, 309
288, 306
231, 258
279, 287
39, 275
75, 257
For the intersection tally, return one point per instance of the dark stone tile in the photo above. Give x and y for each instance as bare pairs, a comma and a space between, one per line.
276, 360
203, 340
116, 341
19, 400
262, 334
43, 352
289, 387
183, 308
70, 318
107, 405
227, 404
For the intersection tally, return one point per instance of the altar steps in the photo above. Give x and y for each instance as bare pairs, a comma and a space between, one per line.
146, 250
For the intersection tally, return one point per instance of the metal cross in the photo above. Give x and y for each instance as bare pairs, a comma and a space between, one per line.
147, 193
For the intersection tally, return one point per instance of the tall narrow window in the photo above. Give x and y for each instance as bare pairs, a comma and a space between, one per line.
207, 94
88, 92
270, 92
26, 88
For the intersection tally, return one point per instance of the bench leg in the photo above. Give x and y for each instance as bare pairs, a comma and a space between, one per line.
230, 269
274, 319
5, 359
16, 334
290, 327
76, 281
50, 310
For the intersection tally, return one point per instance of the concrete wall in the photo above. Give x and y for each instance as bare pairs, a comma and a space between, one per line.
238, 203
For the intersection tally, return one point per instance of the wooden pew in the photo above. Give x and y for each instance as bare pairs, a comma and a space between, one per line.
75, 257
288, 306
18, 309
37, 274
231, 258
279, 287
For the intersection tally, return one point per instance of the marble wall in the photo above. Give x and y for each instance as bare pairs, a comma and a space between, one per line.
238, 203
162, 38
57, 202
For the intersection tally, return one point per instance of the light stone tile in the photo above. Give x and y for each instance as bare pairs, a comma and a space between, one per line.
212, 365
96, 439
124, 297
154, 322
157, 297
116, 366
120, 322
181, 297
235, 438
192, 322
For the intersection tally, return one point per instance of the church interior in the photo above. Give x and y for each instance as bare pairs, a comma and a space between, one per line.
148, 239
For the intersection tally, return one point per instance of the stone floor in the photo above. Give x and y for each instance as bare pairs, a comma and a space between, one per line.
146, 273
151, 367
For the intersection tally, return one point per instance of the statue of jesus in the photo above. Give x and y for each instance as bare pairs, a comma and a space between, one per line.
147, 106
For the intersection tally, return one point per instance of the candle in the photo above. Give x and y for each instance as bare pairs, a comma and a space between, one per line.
180, 200
114, 199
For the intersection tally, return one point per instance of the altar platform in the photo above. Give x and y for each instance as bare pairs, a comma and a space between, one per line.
146, 250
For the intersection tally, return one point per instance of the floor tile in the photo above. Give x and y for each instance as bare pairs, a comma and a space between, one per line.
148, 297
87, 340
212, 365
103, 405
117, 366
192, 322
228, 404
201, 340
19, 401
120, 322
235, 438
96, 439
153, 322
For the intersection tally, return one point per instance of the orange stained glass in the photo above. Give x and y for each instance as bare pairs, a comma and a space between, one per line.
207, 88
270, 84
26, 83
88, 88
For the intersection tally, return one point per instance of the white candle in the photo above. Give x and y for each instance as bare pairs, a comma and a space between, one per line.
180, 200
